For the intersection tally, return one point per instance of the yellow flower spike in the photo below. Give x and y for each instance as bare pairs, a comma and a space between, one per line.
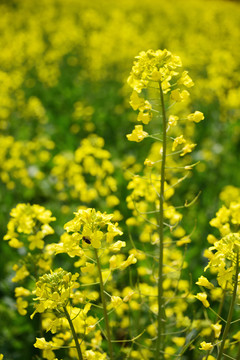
197, 116
203, 298
53, 290
205, 346
209, 357
137, 134
23, 221
203, 281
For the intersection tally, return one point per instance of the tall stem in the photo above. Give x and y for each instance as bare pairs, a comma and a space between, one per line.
80, 357
161, 320
216, 318
230, 313
104, 306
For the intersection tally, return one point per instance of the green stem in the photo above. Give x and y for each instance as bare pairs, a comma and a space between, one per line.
104, 306
159, 345
230, 313
80, 357
219, 313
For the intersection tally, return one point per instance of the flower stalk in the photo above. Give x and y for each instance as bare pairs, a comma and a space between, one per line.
104, 306
160, 227
230, 313
80, 357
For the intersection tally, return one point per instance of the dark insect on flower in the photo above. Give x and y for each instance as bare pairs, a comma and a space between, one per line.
86, 239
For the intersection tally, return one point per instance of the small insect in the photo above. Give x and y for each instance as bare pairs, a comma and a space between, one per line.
86, 239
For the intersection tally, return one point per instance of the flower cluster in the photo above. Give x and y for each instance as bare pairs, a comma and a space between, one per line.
89, 225
152, 71
53, 291
30, 222
224, 264
86, 174
22, 162
27, 229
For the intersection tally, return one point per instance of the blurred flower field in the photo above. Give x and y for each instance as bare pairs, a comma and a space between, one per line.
78, 144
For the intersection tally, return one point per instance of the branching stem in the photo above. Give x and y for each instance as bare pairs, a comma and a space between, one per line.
80, 357
104, 306
161, 320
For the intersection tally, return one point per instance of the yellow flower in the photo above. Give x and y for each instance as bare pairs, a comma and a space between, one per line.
205, 346
42, 344
237, 336
112, 201
169, 350
217, 329
178, 141
187, 149
144, 117
197, 116
186, 80
88, 268
21, 273
21, 306
178, 96
116, 301
136, 101
179, 341
185, 240
203, 281
137, 134
130, 260
203, 298
21, 291
148, 162
117, 246
172, 120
